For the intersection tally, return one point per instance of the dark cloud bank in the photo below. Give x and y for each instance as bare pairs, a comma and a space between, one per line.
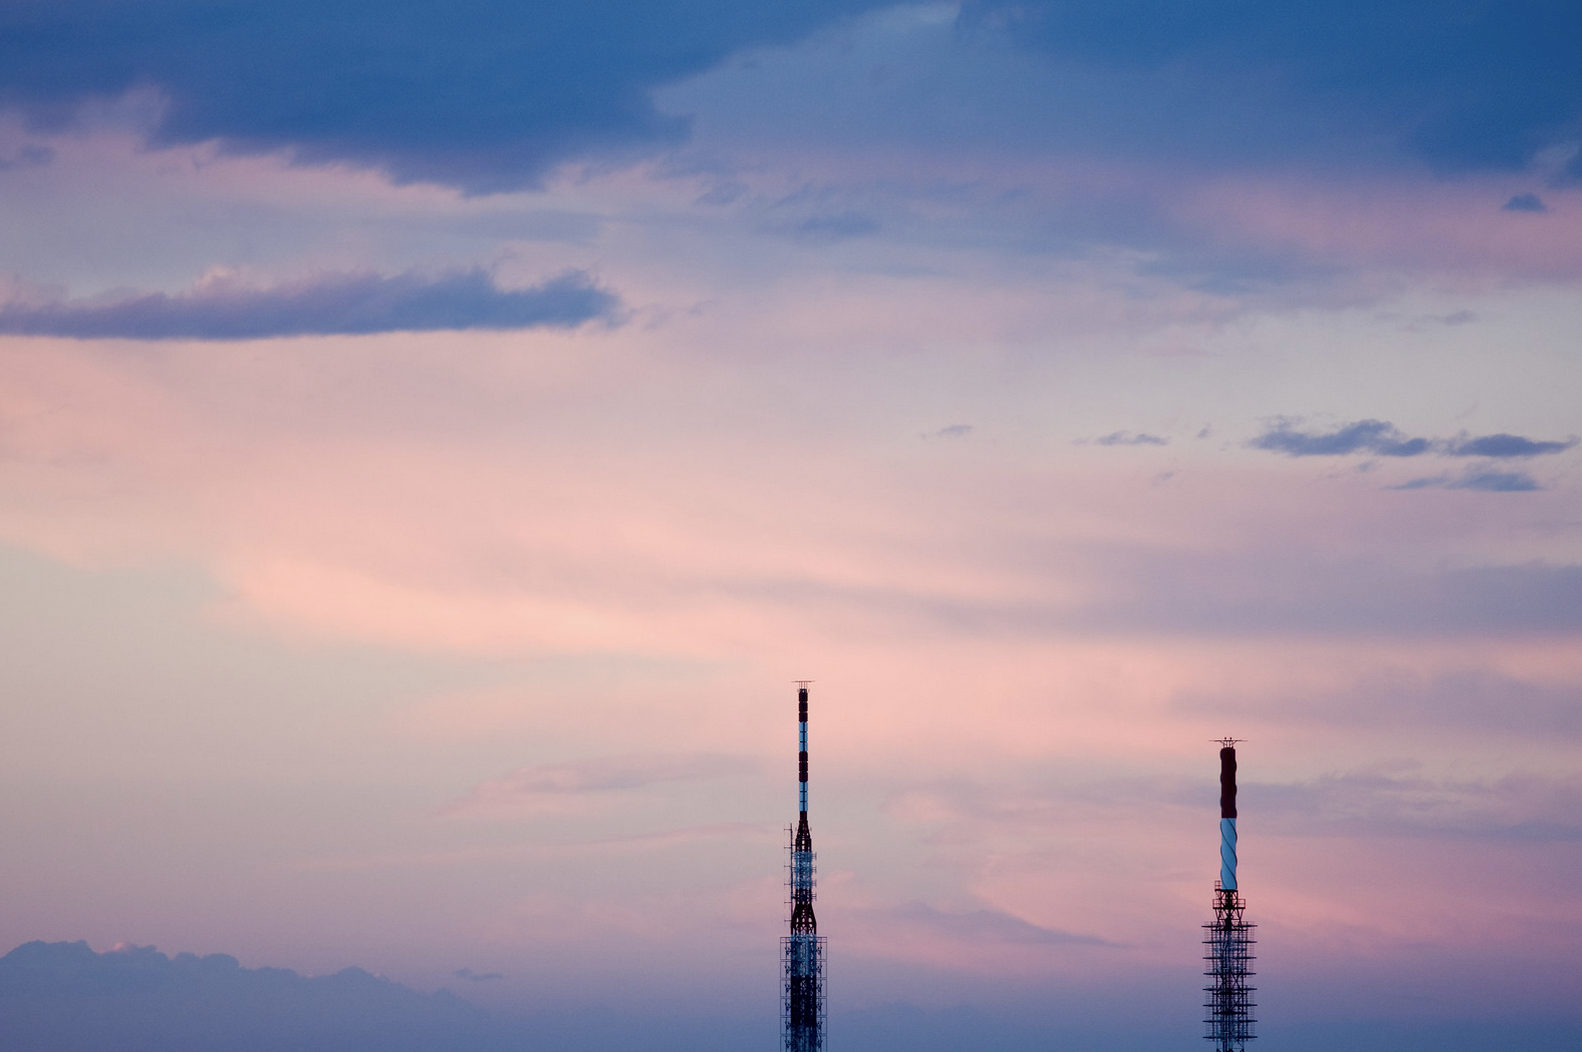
63, 997
332, 304
1464, 84
488, 94
481, 94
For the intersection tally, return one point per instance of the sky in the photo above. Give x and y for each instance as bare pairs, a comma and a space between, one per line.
435, 437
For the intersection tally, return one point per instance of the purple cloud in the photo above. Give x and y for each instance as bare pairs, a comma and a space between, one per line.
1378, 437
1503, 445
1525, 203
1126, 438
1384, 439
1532, 808
1487, 480
549, 783
328, 304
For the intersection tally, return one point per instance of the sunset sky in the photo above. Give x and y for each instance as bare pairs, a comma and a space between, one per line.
434, 437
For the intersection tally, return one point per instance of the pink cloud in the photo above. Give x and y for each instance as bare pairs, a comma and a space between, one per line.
574, 786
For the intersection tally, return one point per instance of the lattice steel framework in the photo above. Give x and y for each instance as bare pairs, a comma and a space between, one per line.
1228, 945
802, 1020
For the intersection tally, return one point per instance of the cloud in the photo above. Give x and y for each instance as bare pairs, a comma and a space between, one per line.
1503, 445
489, 95
839, 227
992, 927
1525, 203
552, 786
328, 304
1381, 438
1281, 593
1477, 84
482, 94
1480, 701
477, 977
1496, 481
1488, 480
1127, 438
952, 431
29, 155
1528, 808
65, 996
1366, 436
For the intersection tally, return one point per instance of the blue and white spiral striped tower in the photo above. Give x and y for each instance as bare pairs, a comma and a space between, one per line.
802, 993
1229, 938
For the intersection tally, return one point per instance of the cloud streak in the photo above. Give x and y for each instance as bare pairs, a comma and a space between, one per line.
1377, 437
1479, 479
1474, 700
328, 304
552, 786
1127, 438
1527, 808
994, 927
1382, 438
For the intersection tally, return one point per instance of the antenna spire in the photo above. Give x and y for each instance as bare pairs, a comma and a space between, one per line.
1229, 938
802, 952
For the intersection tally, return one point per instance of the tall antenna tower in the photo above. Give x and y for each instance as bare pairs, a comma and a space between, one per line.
802, 995
1228, 941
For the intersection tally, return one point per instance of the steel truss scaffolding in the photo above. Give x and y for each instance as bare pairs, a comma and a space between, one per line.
1229, 944
802, 1022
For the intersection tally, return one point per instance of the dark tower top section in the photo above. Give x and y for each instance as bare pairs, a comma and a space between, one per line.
1227, 782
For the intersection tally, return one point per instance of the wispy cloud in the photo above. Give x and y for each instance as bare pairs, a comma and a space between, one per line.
1502, 445
489, 854
476, 977
1471, 701
837, 227
1525, 203
1396, 804
974, 927
1480, 479
1377, 437
224, 308
552, 786
1382, 438
992, 926
1124, 438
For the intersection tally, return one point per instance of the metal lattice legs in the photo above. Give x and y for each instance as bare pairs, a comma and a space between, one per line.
1228, 944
